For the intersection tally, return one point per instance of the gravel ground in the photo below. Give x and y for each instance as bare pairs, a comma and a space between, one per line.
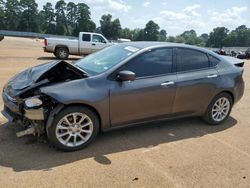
181, 153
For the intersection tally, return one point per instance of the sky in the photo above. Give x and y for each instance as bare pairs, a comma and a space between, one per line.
175, 16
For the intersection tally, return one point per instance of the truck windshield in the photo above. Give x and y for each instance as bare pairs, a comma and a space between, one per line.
103, 60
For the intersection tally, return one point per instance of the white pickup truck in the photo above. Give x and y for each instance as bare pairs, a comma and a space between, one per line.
85, 45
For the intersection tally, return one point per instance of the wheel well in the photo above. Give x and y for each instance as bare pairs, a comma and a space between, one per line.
89, 107
230, 93
59, 46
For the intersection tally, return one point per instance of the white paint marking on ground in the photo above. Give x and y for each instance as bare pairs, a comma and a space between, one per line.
158, 168
151, 149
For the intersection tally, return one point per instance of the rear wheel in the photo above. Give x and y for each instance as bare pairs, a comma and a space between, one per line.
62, 53
73, 128
219, 109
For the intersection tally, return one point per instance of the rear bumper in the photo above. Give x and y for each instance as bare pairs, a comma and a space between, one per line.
239, 91
45, 50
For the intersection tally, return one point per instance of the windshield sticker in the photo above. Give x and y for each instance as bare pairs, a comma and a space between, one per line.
131, 49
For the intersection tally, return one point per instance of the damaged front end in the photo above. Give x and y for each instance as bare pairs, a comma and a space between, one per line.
26, 105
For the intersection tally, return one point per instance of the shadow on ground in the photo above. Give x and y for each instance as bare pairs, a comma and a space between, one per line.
54, 58
29, 154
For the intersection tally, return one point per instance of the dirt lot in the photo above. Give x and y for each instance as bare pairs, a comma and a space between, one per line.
182, 153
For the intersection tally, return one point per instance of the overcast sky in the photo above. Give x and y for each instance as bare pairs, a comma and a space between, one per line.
175, 16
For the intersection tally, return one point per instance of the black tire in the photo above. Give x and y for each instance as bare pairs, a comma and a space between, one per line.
208, 117
62, 53
51, 130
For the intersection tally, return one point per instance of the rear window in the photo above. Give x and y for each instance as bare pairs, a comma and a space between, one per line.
188, 60
86, 37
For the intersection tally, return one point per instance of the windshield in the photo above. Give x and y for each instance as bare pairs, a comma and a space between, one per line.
105, 59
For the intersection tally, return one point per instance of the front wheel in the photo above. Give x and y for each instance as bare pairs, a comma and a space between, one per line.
219, 109
73, 128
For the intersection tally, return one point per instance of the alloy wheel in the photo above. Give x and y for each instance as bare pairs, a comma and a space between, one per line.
220, 109
74, 129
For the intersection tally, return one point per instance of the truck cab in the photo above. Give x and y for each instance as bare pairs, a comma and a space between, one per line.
91, 42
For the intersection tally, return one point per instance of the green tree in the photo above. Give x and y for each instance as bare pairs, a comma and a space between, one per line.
12, 14
72, 15
106, 25
171, 39
61, 21
2, 15
151, 31
231, 39
163, 35
126, 33
179, 39
138, 35
204, 37
217, 37
190, 37
111, 29
46, 19
83, 20
28, 16
116, 29
242, 35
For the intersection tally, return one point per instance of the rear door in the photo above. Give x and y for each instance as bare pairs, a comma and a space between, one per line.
197, 80
85, 44
150, 95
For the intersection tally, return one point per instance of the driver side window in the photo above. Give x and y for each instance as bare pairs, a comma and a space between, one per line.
152, 63
97, 38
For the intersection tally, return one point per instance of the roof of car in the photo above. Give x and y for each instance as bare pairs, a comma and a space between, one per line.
149, 44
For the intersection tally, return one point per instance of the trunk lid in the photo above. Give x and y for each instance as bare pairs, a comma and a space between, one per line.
234, 61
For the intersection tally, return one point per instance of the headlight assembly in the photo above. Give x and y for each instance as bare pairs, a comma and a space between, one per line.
33, 103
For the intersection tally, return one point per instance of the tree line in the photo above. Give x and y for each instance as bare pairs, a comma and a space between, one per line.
71, 18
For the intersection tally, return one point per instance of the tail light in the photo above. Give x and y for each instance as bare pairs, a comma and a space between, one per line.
241, 64
45, 42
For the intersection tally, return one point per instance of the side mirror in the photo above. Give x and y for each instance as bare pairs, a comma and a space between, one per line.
126, 76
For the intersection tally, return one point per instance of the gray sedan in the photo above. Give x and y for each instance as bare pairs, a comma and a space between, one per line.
122, 85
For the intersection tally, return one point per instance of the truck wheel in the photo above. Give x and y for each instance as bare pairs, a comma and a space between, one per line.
62, 53
73, 128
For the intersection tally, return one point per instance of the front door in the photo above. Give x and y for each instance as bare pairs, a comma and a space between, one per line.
98, 43
150, 95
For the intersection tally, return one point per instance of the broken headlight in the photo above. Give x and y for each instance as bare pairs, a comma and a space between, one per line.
33, 103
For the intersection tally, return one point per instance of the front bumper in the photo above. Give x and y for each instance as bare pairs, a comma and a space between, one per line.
13, 111
8, 114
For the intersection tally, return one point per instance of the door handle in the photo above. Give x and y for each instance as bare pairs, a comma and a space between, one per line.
212, 76
93, 44
169, 83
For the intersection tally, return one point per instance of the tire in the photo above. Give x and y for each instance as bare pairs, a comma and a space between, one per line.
62, 53
210, 116
64, 126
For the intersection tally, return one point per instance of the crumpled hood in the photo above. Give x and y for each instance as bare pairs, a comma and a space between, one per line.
27, 78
